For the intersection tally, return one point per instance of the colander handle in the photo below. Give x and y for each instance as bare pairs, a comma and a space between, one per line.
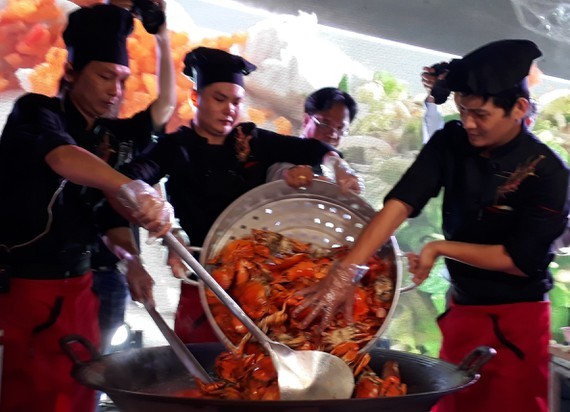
478, 357
401, 257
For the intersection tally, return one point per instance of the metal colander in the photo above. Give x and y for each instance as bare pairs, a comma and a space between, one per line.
319, 214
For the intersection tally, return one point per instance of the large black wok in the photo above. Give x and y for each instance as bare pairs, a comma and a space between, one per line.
142, 380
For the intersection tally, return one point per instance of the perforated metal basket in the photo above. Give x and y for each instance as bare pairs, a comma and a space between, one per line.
319, 214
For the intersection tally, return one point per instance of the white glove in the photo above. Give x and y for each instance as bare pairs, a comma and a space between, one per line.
150, 210
345, 176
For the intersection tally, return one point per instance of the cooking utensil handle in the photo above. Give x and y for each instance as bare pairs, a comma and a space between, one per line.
203, 274
476, 359
183, 353
401, 256
66, 345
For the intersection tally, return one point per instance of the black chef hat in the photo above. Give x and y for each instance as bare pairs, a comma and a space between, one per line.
98, 33
206, 66
493, 68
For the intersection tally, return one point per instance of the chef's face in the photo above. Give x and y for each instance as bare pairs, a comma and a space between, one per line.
218, 109
328, 126
487, 125
98, 88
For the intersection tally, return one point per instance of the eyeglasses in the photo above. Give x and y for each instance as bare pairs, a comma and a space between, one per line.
340, 132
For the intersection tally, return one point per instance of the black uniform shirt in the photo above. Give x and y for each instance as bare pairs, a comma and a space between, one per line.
37, 125
203, 179
516, 198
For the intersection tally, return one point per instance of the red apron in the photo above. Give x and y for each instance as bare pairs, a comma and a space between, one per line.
190, 323
36, 373
516, 379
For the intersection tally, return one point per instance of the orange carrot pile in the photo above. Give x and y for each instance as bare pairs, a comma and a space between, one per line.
30, 37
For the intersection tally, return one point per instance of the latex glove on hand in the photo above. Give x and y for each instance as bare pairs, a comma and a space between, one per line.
298, 176
148, 207
349, 181
139, 280
334, 291
345, 177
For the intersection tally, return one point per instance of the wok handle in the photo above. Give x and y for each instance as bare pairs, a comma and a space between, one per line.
181, 351
66, 345
476, 359
401, 256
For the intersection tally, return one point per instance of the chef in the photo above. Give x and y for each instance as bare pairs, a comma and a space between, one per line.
47, 226
504, 204
216, 159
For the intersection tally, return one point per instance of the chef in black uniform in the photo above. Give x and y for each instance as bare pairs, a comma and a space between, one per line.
216, 159
48, 163
504, 203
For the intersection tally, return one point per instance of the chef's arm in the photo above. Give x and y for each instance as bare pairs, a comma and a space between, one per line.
81, 167
84, 168
121, 242
162, 108
336, 290
378, 231
487, 257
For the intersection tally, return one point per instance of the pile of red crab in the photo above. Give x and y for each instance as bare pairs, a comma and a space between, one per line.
262, 273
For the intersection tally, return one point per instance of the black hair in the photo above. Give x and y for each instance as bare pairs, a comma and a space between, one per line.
323, 99
507, 99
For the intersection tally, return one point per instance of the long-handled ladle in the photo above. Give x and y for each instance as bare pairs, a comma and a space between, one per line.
302, 375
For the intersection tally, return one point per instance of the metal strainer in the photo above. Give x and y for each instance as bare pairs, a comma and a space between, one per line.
319, 214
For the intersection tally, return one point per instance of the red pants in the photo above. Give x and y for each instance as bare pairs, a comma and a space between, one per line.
191, 324
34, 315
516, 379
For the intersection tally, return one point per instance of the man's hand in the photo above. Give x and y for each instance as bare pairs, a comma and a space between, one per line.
128, 5
298, 176
177, 265
179, 269
348, 180
139, 280
147, 207
334, 291
428, 78
344, 176
421, 265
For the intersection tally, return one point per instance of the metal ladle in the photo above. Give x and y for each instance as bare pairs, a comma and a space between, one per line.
301, 375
